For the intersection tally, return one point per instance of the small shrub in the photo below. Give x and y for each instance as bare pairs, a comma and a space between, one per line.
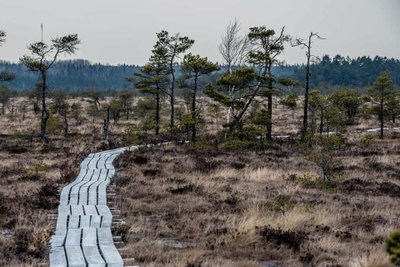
151, 172
324, 157
47, 197
39, 245
314, 182
367, 140
140, 159
17, 149
122, 181
4, 209
54, 125
35, 172
238, 165
279, 237
22, 239
204, 144
68, 173
122, 230
392, 245
281, 203
329, 142
205, 165
236, 144
133, 135
182, 189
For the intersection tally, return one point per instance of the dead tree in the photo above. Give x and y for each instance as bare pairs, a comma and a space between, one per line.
106, 127
234, 49
307, 44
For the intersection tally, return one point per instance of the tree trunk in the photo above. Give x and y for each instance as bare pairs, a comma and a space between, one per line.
158, 113
45, 112
65, 123
231, 95
381, 117
269, 122
106, 126
172, 92
307, 88
23, 112
269, 109
194, 109
321, 123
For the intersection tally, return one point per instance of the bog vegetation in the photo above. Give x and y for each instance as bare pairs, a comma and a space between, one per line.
283, 168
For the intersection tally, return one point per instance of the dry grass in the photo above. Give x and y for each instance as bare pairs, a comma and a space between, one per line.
209, 208
249, 208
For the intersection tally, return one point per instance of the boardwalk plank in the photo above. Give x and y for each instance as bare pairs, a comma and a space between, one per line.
85, 221
58, 240
77, 210
93, 256
93, 193
111, 255
74, 221
75, 256
73, 237
91, 210
58, 257
95, 222
89, 237
83, 232
105, 236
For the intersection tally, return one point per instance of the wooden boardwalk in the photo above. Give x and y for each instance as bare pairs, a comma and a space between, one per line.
83, 232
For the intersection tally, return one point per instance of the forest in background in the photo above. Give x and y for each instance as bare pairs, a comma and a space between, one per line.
327, 74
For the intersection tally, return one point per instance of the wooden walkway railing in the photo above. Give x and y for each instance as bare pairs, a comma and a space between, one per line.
83, 231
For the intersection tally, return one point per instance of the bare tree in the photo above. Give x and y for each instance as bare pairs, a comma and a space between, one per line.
307, 44
42, 58
234, 49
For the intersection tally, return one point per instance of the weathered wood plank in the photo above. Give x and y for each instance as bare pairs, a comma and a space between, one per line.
83, 231
73, 222
73, 237
85, 221
75, 256
89, 237
111, 255
105, 236
77, 210
58, 240
93, 256
95, 222
104, 210
58, 257
93, 193
90, 210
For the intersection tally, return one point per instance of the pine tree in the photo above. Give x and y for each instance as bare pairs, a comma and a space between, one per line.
154, 78
42, 58
194, 67
381, 92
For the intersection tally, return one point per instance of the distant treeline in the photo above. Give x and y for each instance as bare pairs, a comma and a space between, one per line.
345, 72
73, 75
328, 73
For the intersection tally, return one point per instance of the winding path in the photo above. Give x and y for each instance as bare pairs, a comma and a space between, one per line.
83, 232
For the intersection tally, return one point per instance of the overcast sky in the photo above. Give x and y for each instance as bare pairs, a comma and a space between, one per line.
123, 31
